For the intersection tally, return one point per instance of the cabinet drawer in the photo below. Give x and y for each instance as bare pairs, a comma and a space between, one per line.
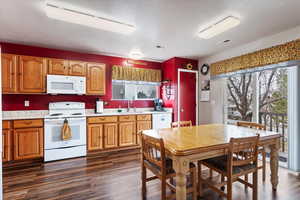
28, 123
6, 124
95, 120
143, 117
127, 118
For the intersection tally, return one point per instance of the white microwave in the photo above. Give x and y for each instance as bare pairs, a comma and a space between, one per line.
58, 84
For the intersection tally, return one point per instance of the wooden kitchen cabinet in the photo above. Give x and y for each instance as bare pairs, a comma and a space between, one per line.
9, 73
110, 135
32, 74
28, 143
58, 66
95, 79
95, 137
6, 145
127, 133
77, 68
143, 123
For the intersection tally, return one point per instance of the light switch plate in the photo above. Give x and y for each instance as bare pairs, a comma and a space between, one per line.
26, 103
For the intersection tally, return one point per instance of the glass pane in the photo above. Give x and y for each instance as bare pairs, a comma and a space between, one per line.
130, 90
118, 90
240, 97
147, 91
62, 86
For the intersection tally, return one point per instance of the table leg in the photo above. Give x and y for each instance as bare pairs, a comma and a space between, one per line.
181, 167
274, 164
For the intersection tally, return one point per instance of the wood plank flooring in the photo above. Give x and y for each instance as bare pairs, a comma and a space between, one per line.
112, 177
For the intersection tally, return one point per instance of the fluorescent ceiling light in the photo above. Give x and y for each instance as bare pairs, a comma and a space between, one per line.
136, 54
86, 19
219, 27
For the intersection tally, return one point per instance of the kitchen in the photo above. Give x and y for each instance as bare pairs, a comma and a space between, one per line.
97, 94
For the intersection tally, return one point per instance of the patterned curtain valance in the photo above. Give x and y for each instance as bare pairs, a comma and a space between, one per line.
135, 74
280, 53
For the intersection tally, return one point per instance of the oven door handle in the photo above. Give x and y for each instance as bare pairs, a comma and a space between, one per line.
63, 118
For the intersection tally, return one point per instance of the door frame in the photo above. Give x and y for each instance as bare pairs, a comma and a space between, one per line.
178, 92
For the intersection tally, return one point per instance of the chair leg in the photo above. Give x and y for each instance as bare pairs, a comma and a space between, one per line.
254, 189
246, 179
194, 182
229, 188
264, 166
210, 173
199, 179
163, 189
144, 175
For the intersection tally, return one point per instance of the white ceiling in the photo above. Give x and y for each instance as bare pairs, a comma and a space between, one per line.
171, 23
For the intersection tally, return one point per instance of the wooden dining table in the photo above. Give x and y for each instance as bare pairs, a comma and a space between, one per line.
190, 144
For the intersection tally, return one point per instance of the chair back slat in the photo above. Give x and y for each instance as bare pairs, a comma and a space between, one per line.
243, 151
153, 150
252, 125
181, 124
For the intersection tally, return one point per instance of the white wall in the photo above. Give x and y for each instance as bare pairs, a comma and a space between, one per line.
210, 112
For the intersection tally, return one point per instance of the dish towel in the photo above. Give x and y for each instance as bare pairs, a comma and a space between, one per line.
66, 133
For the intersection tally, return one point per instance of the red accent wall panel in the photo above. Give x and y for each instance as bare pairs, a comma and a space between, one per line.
40, 102
170, 71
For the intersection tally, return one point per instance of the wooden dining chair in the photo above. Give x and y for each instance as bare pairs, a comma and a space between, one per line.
154, 159
261, 150
181, 124
240, 160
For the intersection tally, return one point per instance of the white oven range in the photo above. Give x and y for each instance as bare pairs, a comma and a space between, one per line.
55, 147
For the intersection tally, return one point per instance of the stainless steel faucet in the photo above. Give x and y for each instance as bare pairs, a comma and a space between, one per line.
128, 105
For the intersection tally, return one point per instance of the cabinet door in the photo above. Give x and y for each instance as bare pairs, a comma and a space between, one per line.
28, 143
77, 68
95, 136
6, 145
127, 133
110, 135
95, 79
142, 125
32, 74
58, 67
9, 73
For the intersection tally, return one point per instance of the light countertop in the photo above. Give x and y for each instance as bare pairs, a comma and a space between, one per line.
40, 114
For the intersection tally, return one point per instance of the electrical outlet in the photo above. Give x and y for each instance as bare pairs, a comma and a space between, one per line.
26, 103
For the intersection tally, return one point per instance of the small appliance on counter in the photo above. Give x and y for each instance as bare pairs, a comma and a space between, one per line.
158, 105
99, 106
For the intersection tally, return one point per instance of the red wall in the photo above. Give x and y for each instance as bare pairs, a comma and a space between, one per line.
170, 71
40, 102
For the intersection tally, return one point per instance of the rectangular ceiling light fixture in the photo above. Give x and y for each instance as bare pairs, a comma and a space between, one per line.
219, 27
86, 19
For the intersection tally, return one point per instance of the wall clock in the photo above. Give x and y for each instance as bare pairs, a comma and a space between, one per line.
205, 69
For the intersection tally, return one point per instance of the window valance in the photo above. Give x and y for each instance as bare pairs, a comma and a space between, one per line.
135, 74
281, 53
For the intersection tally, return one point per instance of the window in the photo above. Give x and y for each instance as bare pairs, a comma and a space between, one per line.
240, 97
129, 90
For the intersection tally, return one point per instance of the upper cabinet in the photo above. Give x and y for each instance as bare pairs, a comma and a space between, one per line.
27, 74
9, 73
77, 68
95, 79
32, 74
58, 66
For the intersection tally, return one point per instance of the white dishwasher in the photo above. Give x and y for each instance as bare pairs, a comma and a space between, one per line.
161, 120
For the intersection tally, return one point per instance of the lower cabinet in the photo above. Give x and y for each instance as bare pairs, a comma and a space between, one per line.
28, 143
110, 135
142, 125
22, 139
6, 145
127, 134
116, 131
95, 136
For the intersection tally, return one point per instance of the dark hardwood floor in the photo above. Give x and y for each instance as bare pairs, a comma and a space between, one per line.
112, 177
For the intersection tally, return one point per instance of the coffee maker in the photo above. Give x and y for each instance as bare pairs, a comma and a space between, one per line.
158, 105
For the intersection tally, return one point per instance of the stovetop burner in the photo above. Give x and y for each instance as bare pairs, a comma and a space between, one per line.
56, 114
